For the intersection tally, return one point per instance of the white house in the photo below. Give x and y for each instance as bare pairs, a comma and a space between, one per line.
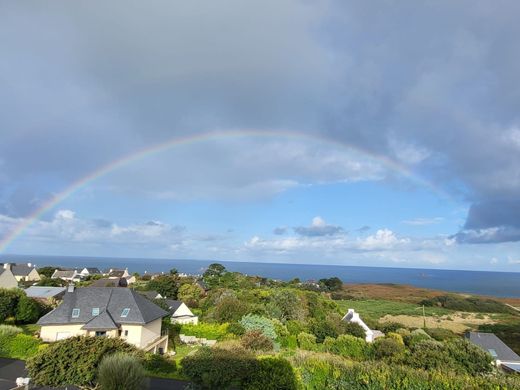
370, 335
23, 272
7, 279
180, 313
89, 271
67, 275
107, 312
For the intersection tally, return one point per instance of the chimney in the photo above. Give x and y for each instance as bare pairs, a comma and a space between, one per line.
7, 266
29, 265
70, 288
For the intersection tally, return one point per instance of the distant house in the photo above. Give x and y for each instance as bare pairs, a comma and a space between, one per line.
114, 282
117, 273
504, 356
67, 275
107, 312
24, 272
90, 271
7, 279
180, 313
202, 285
45, 294
130, 279
370, 335
151, 294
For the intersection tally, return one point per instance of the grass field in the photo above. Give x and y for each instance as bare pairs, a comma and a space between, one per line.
377, 308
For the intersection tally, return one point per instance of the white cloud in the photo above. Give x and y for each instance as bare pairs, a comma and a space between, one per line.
493, 261
381, 240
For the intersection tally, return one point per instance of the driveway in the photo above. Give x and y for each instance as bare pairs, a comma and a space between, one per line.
10, 369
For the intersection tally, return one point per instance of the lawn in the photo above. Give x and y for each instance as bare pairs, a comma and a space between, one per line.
377, 308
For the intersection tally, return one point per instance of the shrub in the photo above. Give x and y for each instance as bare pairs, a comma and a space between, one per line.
8, 302
272, 373
292, 342
397, 337
468, 304
468, 357
74, 361
120, 371
236, 329
385, 348
354, 329
18, 345
416, 336
428, 355
159, 364
440, 334
307, 341
27, 310
205, 330
229, 309
256, 322
255, 340
217, 368
349, 346
295, 327
9, 330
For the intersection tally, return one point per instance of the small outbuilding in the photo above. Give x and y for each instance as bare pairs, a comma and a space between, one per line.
370, 335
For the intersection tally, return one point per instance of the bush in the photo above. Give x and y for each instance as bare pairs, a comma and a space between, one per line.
307, 341
205, 330
120, 371
18, 346
255, 322
272, 373
349, 346
74, 361
354, 329
416, 336
159, 364
397, 337
9, 330
27, 310
441, 334
468, 304
295, 327
230, 309
387, 348
292, 342
236, 329
255, 340
468, 357
8, 302
217, 368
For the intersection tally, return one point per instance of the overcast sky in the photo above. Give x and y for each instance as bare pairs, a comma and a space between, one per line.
391, 130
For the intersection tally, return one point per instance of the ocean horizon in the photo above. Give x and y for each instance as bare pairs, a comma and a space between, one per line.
490, 283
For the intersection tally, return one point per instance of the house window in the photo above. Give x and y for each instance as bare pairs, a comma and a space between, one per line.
125, 312
75, 313
95, 311
126, 333
101, 333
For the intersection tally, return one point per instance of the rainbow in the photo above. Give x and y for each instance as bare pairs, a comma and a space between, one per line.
19, 229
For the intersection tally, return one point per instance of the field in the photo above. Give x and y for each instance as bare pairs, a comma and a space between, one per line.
378, 308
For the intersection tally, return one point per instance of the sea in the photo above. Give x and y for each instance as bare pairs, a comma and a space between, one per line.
498, 284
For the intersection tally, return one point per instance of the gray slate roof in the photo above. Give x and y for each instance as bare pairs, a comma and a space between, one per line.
120, 282
173, 305
489, 341
93, 270
103, 321
108, 299
63, 274
21, 269
149, 294
44, 292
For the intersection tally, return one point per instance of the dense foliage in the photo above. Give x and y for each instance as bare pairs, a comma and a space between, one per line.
218, 368
74, 361
15, 304
121, 371
166, 285
469, 304
15, 344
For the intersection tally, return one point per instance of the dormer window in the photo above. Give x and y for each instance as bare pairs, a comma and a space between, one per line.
75, 313
125, 312
95, 311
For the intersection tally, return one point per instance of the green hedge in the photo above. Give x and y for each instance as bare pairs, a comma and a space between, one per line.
205, 330
324, 371
18, 346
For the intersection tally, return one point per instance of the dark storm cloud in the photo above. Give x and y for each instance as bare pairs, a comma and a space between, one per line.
433, 85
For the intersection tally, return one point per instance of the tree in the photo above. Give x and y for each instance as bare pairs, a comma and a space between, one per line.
255, 340
174, 271
74, 361
213, 274
190, 294
354, 329
166, 285
255, 322
8, 301
47, 271
229, 309
331, 284
286, 305
27, 310
121, 371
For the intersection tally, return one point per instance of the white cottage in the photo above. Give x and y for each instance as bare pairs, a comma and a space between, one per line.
370, 335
